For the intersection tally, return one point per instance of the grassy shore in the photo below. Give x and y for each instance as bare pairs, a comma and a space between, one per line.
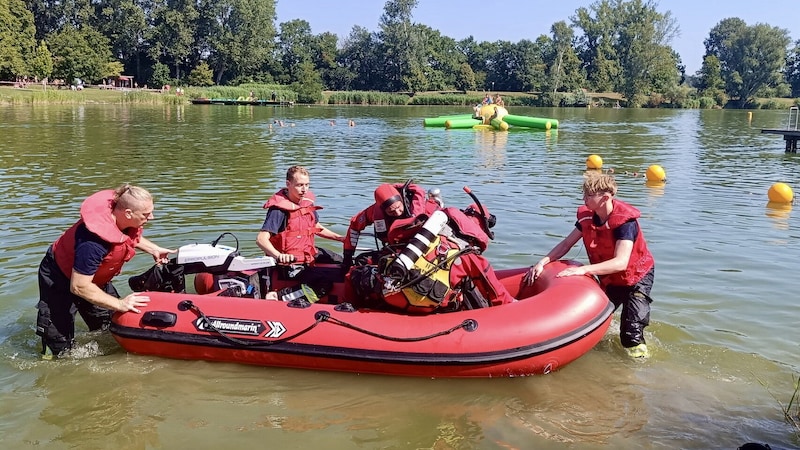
37, 94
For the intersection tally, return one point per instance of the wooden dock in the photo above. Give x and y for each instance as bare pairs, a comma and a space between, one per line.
240, 102
791, 133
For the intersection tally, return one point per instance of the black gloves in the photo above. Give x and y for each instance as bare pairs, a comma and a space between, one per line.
347, 260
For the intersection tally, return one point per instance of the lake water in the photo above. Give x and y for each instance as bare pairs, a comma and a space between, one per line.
723, 335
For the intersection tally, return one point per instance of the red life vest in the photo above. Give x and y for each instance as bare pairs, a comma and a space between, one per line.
600, 243
297, 239
96, 216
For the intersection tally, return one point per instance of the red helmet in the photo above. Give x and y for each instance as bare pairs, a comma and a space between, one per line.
386, 195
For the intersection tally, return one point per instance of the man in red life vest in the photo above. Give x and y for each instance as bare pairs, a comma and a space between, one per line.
291, 225
618, 255
392, 202
76, 272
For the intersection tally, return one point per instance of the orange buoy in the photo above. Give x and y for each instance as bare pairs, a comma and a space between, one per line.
655, 173
594, 162
780, 193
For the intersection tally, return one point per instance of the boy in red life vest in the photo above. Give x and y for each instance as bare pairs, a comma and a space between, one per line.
618, 256
392, 202
288, 234
76, 272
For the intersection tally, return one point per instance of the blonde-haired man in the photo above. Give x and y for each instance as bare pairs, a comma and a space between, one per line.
76, 272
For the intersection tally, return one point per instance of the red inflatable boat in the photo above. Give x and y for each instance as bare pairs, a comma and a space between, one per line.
554, 322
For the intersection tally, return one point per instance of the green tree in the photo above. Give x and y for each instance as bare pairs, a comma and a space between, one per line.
308, 84
402, 53
41, 65
172, 34
792, 71
202, 75
479, 56
465, 80
442, 65
596, 45
751, 58
324, 54
295, 49
17, 39
719, 41
160, 75
124, 23
517, 67
710, 82
51, 16
360, 60
564, 71
646, 59
242, 37
79, 53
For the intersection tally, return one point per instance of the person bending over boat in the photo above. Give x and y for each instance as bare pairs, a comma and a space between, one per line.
392, 202
76, 272
289, 230
441, 267
618, 256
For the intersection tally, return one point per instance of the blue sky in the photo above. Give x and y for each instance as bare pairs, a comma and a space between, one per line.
514, 20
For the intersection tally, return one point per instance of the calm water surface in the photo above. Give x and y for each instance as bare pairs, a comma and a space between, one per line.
723, 337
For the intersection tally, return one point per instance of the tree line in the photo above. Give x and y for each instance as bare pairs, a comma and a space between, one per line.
608, 46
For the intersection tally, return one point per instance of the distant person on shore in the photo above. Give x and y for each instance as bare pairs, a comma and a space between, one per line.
618, 256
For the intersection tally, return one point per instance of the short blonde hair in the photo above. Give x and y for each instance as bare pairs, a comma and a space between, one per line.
596, 183
295, 170
127, 196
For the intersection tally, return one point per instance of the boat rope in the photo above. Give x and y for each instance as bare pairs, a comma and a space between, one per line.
467, 325
189, 305
323, 316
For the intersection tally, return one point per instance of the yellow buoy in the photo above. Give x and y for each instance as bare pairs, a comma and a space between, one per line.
656, 173
780, 193
594, 162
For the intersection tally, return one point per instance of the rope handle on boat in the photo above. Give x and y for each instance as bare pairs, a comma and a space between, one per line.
189, 305
468, 325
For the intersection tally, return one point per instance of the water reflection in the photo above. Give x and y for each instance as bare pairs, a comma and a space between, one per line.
491, 147
656, 188
779, 213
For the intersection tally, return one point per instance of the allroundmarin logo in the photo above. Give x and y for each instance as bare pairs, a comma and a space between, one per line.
233, 326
